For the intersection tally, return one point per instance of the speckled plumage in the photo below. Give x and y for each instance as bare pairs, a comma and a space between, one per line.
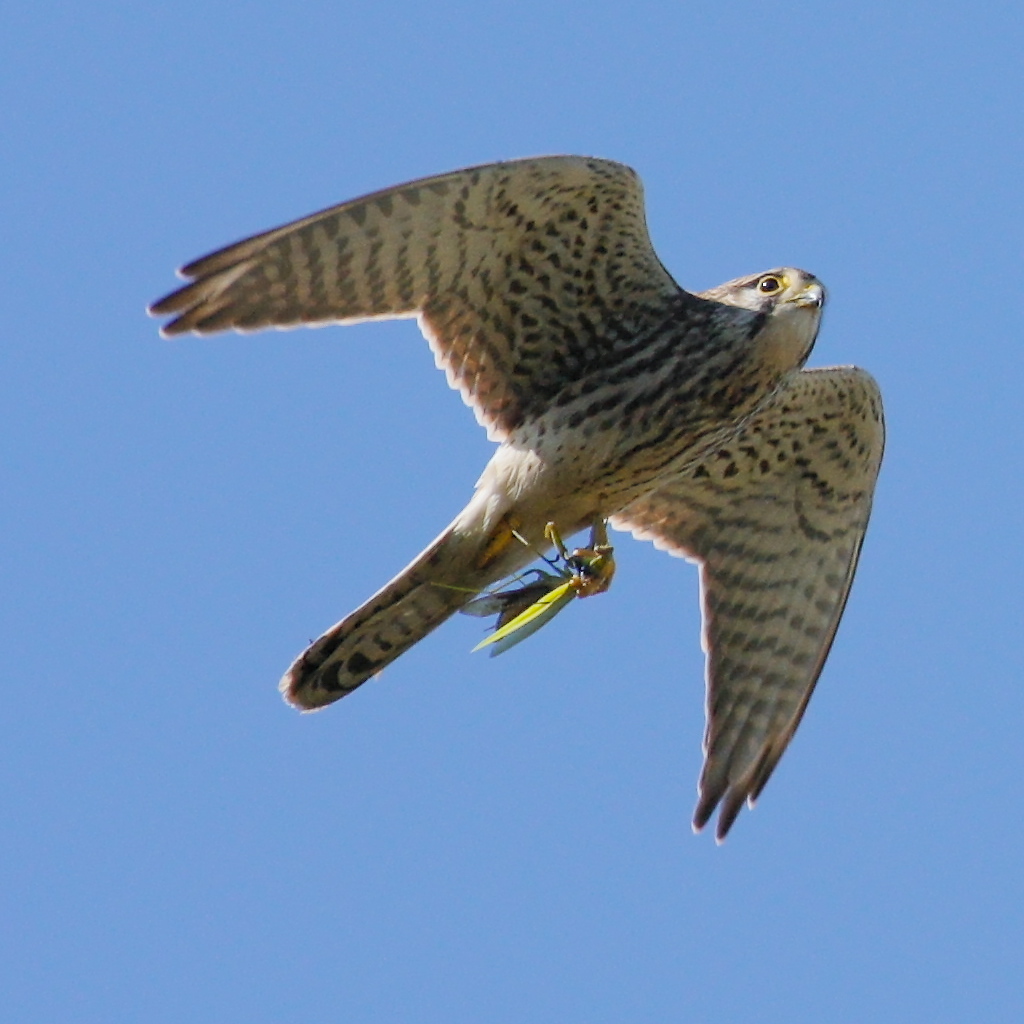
613, 392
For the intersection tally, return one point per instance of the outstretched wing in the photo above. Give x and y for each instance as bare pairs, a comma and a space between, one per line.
523, 276
776, 519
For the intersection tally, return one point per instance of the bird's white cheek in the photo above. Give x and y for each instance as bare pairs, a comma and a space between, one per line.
787, 338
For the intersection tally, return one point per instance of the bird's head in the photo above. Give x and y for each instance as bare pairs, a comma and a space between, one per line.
788, 303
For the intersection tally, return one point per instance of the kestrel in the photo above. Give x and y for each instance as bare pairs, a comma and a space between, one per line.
685, 418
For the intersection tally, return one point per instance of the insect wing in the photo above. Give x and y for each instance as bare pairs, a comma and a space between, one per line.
526, 623
486, 604
507, 604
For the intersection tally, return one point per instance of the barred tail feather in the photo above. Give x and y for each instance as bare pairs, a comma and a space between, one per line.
413, 604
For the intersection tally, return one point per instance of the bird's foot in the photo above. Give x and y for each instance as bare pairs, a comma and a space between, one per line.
499, 541
592, 568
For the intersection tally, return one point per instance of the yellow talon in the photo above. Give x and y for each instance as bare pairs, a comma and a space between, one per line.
592, 567
525, 608
498, 542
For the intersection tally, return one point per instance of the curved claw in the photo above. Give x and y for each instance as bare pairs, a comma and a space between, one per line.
525, 609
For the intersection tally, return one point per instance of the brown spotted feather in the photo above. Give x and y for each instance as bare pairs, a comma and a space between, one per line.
614, 392
776, 518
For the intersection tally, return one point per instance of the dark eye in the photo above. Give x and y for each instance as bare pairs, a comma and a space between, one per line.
769, 284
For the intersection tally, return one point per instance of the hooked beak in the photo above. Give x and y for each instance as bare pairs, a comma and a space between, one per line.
813, 294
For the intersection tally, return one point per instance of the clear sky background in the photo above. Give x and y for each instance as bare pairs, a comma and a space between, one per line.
467, 839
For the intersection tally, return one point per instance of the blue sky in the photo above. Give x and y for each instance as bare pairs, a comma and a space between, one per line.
473, 839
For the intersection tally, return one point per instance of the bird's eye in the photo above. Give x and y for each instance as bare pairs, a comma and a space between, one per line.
768, 284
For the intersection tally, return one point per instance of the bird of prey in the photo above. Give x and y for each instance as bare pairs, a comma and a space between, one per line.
686, 418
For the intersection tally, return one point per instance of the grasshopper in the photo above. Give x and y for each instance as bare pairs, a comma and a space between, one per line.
525, 608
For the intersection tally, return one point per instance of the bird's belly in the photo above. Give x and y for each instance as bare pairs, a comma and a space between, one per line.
571, 481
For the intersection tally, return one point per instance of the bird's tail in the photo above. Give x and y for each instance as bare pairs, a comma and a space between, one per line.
428, 591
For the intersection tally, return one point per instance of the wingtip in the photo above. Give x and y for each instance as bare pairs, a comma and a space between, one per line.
166, 331
165, 306
700, 819
170, 331
729, 805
